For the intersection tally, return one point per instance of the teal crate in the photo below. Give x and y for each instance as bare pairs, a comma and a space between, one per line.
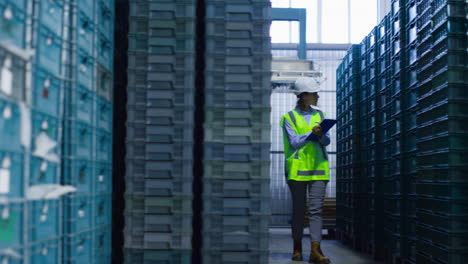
102, 210
12, 179
80, 104
442, 190
247, 257
13, 24
103, 149
79, 174
443, 109
45, 252
236, 206
49, 50
10, 126
105, 51
104, 116
13, 71
51, 15
445, 141
449, 223
78, 212
448, 207
78, 140
45, 126
78, 248
105, 20
11, 225
47, 93
440, 126
87, 7
85, 28
44, 220
443, 173
43, 171
102, 178
442, 158
105, 84
85, 69
102, 245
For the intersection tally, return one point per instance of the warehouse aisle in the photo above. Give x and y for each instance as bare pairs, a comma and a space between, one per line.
281, 248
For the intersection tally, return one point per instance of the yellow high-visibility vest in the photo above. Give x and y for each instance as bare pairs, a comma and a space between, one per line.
310, 162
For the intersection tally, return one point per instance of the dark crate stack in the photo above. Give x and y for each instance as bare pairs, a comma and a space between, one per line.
160, 107
236, 160
412, 110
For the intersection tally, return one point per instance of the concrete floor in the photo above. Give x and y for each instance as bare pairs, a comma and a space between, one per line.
281, 249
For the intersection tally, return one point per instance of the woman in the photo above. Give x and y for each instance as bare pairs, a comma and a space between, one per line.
306, 165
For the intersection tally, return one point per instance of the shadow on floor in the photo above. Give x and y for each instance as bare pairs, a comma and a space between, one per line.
281, 249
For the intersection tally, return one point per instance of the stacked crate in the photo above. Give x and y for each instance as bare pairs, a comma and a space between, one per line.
441, 133
236, 132
422, 65
87, 161
348, 154
158, 214
47, 98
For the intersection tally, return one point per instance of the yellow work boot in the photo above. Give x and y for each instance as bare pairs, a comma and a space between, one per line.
316, 256
297, 252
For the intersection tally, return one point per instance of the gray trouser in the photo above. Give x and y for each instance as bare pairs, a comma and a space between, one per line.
316, 193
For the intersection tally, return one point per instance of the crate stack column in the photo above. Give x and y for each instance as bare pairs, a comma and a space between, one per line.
236, 132
158, 214
441, 131
348, 154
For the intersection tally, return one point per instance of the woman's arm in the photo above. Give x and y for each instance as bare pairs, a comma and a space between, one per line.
296, 141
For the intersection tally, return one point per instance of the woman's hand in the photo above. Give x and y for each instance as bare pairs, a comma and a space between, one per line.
317, 130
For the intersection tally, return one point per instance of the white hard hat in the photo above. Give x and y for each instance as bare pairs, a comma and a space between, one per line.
306, 85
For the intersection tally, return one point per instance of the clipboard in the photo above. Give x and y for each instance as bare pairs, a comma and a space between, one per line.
326, 125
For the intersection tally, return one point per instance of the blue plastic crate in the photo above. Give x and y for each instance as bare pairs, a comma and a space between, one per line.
236, 206
78, 248
78, 211
159, 151
87, 7
248, 257
51, 15
11, 225
102, 245
225, 224
158, 205
78, 140
167, 223
43, 171
85, 69
160, 187
45, 252
150, 257
44, 220
80, 103
79, 173
49, 50
47, 93
44, 125
102, 210
103, 146
13, 74
237, 153
11, 179
105, 52
12, 24
236, 241
105, 19
239, 12
104, 83
10, 126
230, 188
104, 114
102, 178
85, 32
